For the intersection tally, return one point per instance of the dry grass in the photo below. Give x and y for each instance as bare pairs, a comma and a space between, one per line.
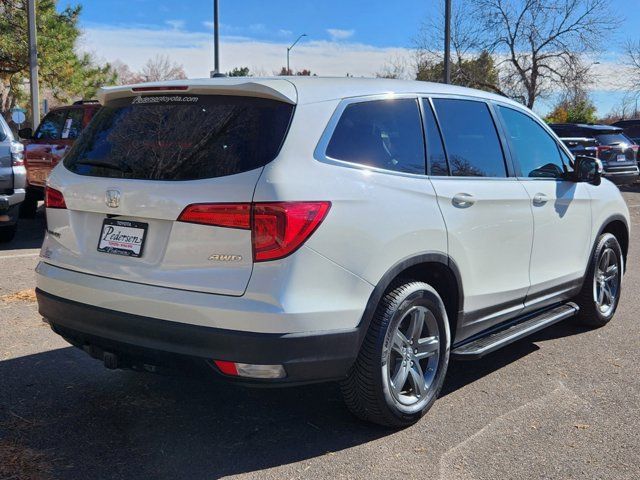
22, 463
28, 295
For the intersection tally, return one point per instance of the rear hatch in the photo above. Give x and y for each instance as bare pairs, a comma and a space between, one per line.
140, 163
616, 150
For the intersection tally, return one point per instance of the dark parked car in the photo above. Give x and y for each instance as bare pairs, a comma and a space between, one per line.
618, 153
631, 129
54, 136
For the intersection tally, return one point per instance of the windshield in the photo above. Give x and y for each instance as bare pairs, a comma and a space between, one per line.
173, 137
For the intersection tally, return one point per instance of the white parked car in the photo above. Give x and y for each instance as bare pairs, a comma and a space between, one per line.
12, 182
293, 230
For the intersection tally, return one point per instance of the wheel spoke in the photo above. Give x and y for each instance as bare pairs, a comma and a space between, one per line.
415, 327
417, 379
400, 377
607, 293
399, 342
600, 291
426, 348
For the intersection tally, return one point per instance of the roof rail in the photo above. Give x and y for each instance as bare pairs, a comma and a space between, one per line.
85, 102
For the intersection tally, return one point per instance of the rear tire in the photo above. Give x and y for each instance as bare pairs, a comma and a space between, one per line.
8, 233
29, 206
600, 294
403, 359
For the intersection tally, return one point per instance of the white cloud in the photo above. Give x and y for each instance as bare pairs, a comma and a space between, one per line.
194, 51
338, 34
176, 24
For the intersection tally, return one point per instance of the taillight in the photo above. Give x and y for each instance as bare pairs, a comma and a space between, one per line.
602, 148
17, 154
53, 198
634, 148
277, 229
230, 215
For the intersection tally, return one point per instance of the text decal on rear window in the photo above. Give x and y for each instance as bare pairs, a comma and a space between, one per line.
163, 99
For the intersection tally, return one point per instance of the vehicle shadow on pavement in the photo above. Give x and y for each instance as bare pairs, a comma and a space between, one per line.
30, 233
463, 373
89, 422
65, 411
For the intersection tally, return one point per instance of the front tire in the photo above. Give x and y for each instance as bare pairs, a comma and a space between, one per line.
600, 294
403, 359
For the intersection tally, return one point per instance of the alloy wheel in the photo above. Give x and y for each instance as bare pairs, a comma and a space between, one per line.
413, 357
606, 283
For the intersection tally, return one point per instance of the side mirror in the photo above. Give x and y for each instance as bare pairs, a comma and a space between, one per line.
26, 133
587, 169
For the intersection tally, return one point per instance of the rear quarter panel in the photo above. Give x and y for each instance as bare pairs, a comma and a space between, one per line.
376, 219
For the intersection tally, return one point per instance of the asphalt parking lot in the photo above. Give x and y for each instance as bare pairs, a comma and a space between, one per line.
564, 404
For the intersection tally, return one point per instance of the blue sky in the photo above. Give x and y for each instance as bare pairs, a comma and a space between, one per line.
344, 36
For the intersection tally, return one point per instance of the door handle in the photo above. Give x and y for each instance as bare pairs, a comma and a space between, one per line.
540, 199
463, 200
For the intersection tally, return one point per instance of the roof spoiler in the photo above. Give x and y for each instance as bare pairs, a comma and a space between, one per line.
276, 89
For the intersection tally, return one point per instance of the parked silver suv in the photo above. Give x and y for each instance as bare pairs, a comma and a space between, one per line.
293, 230
12, 182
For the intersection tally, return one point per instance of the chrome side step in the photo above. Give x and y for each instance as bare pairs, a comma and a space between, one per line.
493, 341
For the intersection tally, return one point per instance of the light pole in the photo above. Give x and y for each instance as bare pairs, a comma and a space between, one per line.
447, 41
216, 40
289, 50
33, 65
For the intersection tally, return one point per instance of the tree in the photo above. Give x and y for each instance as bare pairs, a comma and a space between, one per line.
161, 68
545, 43
475, 72
304, 72
472, 65
239, 72
579, 109
64, 73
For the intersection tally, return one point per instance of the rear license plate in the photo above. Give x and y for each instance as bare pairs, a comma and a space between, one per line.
122, 237
622, 157
38, 177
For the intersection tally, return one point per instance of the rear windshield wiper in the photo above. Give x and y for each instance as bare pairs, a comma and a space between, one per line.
91, 163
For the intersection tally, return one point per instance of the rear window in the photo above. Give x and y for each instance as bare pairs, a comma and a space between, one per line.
612, 138
174, 137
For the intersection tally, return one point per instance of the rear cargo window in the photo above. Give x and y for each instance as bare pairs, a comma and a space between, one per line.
172, 137
613, 139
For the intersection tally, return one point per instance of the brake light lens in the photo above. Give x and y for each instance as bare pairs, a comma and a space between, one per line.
635, 148
229, 215
54, 199
602, 148
161, 88
17, 154
277, 229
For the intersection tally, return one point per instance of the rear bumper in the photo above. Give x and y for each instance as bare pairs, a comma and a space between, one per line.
146, 343
9, 207
622, 176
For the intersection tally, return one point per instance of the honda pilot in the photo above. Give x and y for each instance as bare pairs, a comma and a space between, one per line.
284, 231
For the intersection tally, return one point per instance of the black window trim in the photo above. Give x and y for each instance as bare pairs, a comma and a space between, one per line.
506, 153
320, 152
554, 136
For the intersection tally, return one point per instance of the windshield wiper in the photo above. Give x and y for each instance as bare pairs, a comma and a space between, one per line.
92, 163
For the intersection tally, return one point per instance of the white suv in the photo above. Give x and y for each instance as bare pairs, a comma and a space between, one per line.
293, 230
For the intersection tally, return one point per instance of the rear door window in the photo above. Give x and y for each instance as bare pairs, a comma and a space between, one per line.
437, 160
172, 137
383, 134
470, 138
51, 126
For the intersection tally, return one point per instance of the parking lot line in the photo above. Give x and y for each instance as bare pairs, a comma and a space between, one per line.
20, 255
